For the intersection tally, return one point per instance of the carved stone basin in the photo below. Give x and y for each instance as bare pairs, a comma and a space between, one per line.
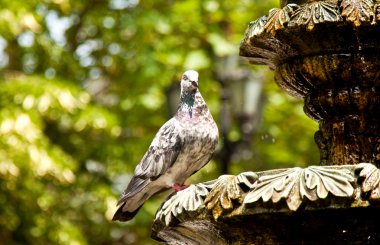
312, 205
328, 54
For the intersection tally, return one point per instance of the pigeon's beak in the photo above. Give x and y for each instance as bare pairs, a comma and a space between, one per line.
194, 83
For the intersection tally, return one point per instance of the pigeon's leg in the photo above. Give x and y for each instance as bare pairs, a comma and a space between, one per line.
178, 187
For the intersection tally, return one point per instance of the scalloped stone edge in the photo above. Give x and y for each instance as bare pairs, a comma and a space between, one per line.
357, 185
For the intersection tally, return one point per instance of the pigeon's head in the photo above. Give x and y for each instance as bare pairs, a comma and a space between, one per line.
189, 81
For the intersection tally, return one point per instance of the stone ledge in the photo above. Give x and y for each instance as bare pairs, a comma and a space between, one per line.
215, 212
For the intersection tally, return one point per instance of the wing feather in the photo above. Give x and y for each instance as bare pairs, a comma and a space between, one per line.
162, 152
161, 155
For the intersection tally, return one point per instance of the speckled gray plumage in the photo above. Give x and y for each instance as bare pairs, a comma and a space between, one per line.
181, 147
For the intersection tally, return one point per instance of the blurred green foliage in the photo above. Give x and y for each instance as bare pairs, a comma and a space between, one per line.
82, 94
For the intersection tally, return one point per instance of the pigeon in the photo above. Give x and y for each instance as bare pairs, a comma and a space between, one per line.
181, 147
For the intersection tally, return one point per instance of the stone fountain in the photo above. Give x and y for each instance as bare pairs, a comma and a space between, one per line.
328, 54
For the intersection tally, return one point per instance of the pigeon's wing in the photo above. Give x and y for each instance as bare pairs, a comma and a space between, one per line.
162, 152
161, 155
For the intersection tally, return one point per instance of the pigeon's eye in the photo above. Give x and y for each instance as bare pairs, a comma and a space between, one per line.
185, 77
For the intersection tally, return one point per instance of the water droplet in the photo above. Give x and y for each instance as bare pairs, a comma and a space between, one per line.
365, 66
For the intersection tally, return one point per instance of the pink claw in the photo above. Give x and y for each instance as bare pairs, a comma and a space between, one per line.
178, 187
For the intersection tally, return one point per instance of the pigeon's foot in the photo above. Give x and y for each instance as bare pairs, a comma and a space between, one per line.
178, 187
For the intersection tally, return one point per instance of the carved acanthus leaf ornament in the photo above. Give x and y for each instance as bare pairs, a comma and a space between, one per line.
358, 11
296, 184
371, 182
183, 202
279, 18
314, 13
230, 195
227, 193
256, 28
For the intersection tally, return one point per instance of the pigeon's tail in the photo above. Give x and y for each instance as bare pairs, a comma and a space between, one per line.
124, 215
137, 192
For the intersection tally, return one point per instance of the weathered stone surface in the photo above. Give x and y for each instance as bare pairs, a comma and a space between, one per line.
209, 212
334, 226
